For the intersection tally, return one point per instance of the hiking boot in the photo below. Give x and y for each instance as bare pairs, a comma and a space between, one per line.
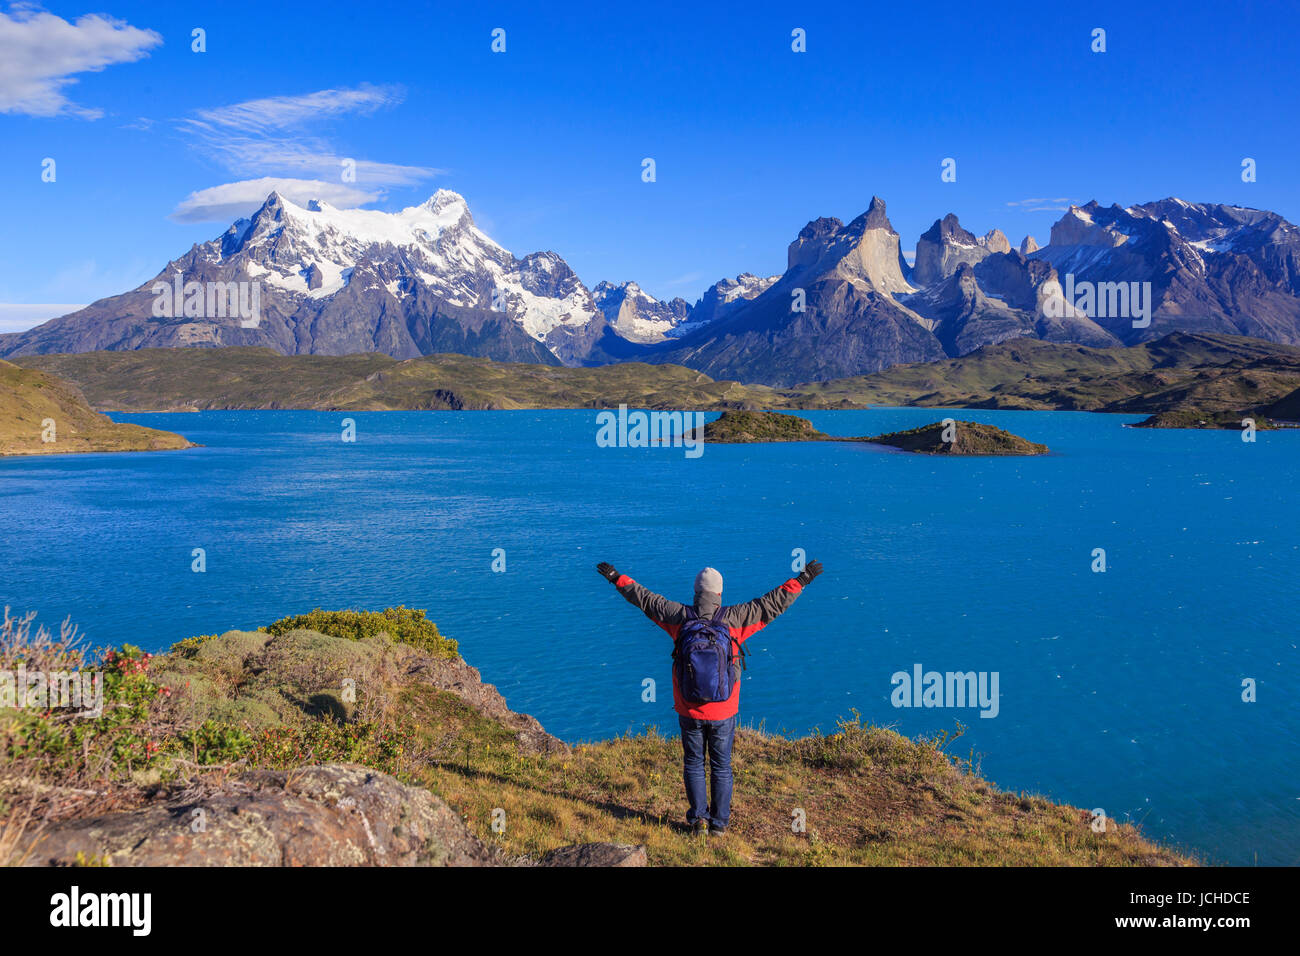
717, 831
699, 827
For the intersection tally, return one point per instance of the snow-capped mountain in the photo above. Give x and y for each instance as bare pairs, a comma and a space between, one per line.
636, 315
427, 280
333, 281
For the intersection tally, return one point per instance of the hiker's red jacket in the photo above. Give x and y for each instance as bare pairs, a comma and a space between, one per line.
743, 620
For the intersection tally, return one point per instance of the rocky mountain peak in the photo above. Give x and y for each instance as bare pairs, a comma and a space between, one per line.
812, 241
1079, 226
948, 229
945, 245
875, 217
995, 241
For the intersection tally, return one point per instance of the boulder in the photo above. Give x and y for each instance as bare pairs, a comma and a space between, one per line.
595, 854
325, 815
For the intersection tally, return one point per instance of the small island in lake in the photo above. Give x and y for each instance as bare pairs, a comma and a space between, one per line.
968, 438
957, 438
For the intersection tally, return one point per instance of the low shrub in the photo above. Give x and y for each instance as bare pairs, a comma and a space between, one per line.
404, 625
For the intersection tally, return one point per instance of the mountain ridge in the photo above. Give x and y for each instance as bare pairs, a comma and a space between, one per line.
427, 280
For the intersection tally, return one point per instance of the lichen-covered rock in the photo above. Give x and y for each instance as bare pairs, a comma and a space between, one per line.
595, 854
327, 815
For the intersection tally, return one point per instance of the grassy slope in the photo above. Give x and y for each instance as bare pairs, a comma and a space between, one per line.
173, 379
1210, 376
28, 397
1211, 372
870, 795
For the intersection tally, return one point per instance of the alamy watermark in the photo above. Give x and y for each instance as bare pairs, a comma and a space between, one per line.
643, 429
79, 691
209, 300
1102, 300
923, 688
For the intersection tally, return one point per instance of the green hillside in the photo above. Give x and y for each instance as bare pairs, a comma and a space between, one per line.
1211, 377
35, 405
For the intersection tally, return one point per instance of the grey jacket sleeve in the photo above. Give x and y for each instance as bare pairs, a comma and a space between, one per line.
665, 613
752, 616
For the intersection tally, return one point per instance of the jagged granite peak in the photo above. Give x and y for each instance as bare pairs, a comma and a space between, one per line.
636, 315
1027, 245
943, 247
1200, 267
949, 228
813, 240
724, 297
995, 240
867, 249
875, 216
1081, 226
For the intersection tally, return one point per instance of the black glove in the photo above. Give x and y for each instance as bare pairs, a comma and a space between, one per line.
607, 571
810, 571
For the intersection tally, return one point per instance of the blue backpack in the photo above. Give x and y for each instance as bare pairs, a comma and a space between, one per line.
704, 659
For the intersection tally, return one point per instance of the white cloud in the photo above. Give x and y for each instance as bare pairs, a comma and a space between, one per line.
283, 112
231, 201
268, 136
1042, 205
306, 157
40, 53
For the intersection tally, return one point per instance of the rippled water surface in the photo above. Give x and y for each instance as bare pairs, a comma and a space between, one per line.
1119, 690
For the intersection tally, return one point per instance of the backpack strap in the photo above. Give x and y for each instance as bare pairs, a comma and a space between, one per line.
690, 616
740, 652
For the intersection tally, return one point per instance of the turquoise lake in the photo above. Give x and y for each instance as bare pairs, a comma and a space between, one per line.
1119, 690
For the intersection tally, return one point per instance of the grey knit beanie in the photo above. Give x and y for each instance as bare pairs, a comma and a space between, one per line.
708, 581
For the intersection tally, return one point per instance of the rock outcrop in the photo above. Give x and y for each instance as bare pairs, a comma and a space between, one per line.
596, 854
328, 815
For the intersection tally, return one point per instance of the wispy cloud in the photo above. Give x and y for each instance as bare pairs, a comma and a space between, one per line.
1042, 205
233, 200
41, 53
272, 140
286, 112
272, 135
687, 279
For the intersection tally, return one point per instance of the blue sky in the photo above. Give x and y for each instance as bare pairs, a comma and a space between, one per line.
751, 140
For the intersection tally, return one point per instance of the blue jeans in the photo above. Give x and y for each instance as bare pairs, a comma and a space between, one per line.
715, 736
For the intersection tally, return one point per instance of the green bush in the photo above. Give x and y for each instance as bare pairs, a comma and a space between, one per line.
404, 625
369, 744
124, 737
215, 743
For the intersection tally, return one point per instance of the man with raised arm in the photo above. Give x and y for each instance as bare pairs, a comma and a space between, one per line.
708, 656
